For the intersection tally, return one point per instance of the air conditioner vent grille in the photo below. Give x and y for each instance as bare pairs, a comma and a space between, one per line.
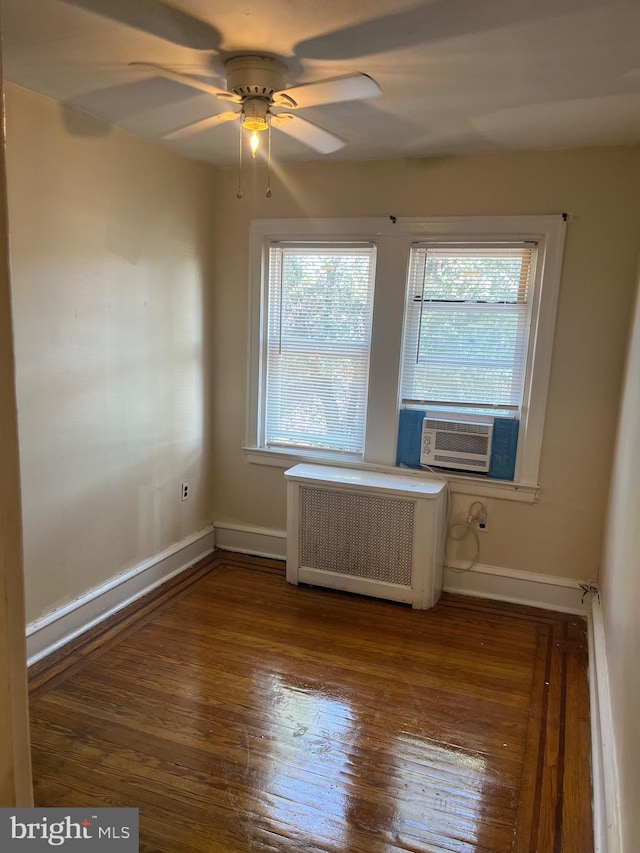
455, 426
357, 534
459, 460
455, 443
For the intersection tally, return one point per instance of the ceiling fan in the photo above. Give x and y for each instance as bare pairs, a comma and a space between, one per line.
257, 84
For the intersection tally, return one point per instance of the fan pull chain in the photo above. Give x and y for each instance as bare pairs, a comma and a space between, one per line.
268, 192
239, 194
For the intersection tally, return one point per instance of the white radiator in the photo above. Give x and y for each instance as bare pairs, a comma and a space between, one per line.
366, 532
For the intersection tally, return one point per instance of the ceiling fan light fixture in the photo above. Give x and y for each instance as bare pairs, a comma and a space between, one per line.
257, 84
254, 114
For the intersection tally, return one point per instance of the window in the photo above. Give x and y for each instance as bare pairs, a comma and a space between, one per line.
353, 319
320, 302
466, 326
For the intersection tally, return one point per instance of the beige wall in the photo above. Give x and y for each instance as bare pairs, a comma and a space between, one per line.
15, 766
620, 596
562, 534
110, 246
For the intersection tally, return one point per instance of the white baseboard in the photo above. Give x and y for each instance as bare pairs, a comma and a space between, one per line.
536, 590
259, 541
606, 801
65, 623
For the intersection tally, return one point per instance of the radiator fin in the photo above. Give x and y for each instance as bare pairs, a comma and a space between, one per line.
357, 534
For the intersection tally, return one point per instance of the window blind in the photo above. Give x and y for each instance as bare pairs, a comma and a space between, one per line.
320, 304
467, 325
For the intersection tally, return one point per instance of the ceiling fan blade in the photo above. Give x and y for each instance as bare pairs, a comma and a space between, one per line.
199, 126
428, 23
307, 133
350, 87
187, 80
158, 19
280, 119
389, 32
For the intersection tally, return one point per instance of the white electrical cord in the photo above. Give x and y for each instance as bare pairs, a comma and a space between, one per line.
467, 526
480, 511
476, 556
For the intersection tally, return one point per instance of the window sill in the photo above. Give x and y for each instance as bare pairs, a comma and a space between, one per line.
459, 484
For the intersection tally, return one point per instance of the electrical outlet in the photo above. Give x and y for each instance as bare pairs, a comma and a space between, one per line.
481, 518
185, 492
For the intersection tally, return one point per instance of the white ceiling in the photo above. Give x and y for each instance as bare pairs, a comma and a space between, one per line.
458, 76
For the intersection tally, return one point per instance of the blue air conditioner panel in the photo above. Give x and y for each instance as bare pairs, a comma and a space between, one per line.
409, 438
503, 449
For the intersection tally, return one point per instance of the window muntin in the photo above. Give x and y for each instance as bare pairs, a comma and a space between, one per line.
320, 304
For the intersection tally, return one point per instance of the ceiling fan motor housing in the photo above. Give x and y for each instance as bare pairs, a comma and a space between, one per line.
256, 76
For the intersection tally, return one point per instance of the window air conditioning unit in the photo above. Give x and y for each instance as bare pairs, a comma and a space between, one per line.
456, 441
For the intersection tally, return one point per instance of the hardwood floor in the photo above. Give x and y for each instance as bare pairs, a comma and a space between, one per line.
239, 713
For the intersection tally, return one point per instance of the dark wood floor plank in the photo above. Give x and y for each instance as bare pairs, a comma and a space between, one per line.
576, 804
239, 714
70, 658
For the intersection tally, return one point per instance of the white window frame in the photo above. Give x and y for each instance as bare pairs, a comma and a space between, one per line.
394, 238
